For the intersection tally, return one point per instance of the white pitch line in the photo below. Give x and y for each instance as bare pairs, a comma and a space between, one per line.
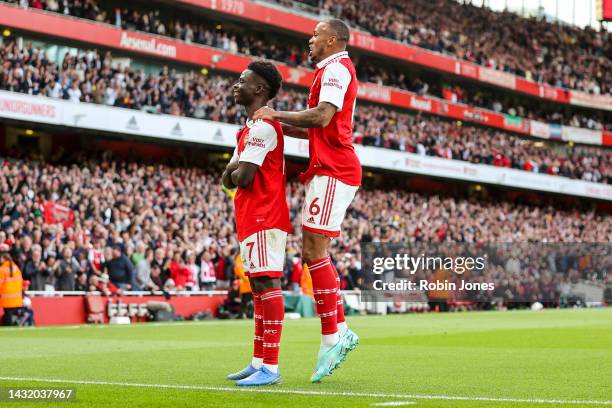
276, 390
121, 326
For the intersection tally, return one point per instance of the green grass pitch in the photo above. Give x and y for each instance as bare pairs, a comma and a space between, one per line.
553, 358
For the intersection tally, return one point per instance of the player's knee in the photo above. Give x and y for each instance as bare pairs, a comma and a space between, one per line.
315, 246
309, 255
263, 283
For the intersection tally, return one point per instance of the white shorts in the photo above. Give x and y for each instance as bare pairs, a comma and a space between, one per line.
325, 205
263, 253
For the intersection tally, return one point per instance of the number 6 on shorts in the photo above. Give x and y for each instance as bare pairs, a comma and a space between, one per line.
325, 205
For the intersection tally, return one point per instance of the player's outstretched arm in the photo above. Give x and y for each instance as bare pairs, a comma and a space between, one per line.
319, 116
294, 131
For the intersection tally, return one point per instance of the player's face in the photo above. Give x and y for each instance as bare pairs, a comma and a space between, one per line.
318, 42
245, 88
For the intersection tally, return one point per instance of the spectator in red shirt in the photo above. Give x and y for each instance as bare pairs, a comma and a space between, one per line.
179, 273
103, 285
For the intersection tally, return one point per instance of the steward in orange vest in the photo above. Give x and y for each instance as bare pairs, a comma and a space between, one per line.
11, 286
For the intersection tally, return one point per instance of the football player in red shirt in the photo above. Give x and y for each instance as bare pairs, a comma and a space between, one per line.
332, 179
257, 170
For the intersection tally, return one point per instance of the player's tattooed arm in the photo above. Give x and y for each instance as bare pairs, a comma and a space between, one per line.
319, 116
226, 178
244, 174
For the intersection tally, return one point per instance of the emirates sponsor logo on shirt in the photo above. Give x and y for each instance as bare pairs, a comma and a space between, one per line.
257, 142
333, 82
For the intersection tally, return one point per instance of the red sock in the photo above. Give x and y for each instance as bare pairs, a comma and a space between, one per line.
273, 315
340, 312
258, 351
325, 293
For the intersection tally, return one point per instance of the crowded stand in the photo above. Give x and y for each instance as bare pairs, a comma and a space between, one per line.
294, 53
432, 136
424, 84
560, 55
134, 225
92, 77
199, 31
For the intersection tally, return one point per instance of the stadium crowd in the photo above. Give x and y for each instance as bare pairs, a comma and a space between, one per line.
559, 54
193, 31
131, 225
294, 53
92, 77
455, 140
481, 97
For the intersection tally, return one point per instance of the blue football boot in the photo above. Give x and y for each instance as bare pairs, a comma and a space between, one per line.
244, 373
263, 376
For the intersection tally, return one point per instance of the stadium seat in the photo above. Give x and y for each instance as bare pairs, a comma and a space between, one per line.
132, 309
95, 309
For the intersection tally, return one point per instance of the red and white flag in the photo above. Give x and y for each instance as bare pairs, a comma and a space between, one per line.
58, 214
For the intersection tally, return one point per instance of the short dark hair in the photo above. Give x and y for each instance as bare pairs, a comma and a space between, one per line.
340, 27
270, 74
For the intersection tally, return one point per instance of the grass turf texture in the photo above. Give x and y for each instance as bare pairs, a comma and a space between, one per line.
551, 355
